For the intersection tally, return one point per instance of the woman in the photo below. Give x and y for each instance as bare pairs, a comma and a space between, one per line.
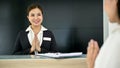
36, 38
108, 56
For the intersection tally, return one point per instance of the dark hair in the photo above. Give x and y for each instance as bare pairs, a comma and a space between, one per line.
32, 6
118, 8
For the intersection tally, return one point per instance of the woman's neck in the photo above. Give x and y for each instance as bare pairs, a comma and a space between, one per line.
117, 19
36, 29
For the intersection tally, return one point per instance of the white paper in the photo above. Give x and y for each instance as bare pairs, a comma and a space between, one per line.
61, 55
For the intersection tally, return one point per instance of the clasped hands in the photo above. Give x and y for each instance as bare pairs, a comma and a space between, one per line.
92, 52
35, 45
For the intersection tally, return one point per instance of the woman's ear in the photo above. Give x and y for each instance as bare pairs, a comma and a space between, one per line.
27, 16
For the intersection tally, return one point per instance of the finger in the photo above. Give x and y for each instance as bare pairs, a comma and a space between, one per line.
89, 55
91, 46
33, 42
90, 50
96, 47
35, 36
37, 40
96, 50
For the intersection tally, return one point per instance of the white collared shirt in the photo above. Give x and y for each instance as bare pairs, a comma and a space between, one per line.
39, 35
109, 54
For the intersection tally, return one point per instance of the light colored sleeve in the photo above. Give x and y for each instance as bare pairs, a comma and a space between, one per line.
109, 54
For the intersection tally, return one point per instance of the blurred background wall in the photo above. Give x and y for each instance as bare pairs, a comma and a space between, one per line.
73, 22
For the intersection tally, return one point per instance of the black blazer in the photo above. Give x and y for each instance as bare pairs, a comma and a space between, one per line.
22, 44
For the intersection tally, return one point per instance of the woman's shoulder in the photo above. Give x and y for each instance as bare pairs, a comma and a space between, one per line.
22, 32
116, 34
47, 32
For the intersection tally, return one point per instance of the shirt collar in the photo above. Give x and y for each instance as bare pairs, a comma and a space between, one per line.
42, 28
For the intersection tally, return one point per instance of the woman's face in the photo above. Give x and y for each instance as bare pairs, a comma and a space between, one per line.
110, 6
35, 17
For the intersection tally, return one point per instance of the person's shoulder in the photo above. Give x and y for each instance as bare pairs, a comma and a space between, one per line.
47, 33
114, 38
116, 31
45, 30
22, 32
116, 34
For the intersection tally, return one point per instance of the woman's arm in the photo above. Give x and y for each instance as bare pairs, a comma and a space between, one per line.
17, 49
53, 47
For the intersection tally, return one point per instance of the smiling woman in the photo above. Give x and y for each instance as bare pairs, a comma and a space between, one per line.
36, 38
73, 22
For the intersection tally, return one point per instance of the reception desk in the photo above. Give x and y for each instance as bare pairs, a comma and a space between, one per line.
32, 61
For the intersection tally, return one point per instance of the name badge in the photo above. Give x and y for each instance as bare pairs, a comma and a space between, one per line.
47, 38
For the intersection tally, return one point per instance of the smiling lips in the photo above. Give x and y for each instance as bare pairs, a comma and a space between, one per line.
36, 21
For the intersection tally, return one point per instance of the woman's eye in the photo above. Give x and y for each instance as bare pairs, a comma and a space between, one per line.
32, 15
39, 14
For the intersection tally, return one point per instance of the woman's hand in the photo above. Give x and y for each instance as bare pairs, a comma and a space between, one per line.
33, 46
92, 52
37, 44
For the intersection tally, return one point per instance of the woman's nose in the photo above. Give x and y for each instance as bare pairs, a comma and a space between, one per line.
36, 17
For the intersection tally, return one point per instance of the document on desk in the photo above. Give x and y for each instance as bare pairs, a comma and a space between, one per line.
61, 55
